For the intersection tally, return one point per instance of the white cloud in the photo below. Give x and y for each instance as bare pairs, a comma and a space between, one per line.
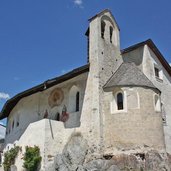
79, 3
4, 96
16, 78
170, 64
64, 71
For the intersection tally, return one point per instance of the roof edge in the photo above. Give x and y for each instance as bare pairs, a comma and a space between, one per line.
108, 89
10, 104
155, 50
101, 13
3, 125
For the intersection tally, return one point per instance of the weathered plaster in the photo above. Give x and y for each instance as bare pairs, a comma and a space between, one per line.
105, 131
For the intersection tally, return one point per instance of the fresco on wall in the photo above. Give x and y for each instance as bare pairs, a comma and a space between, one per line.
65, 115
56, 97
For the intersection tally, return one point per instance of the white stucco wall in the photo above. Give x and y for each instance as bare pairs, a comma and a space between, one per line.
49, 135
2, 136
164, 85
32, 108
2, 132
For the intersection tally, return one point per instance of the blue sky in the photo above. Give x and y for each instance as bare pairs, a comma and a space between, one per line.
42, 39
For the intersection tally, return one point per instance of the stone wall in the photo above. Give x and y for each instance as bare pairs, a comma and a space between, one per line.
138, 125
146, 60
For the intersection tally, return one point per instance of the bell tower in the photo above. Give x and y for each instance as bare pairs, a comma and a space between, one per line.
104, 44
104, 58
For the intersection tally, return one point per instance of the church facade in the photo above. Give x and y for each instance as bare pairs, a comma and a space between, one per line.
118, 101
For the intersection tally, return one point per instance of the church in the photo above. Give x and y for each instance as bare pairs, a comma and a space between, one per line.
119, 101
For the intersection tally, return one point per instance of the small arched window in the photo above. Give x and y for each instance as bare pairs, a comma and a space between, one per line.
9, 127
102, 29
13, 124
58, 116
111, 33
17, 121
74, 99
120, 101
77, 101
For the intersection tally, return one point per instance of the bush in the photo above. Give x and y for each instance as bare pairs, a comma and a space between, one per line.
32, 158
9, 157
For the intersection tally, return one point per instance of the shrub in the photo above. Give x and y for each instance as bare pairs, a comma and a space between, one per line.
32, 158
9, 157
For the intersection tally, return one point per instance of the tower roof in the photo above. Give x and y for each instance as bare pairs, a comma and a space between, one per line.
128, 74
101, 13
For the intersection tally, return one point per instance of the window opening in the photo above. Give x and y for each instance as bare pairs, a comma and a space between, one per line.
77, 101
156, 72
120, 101
13, 125
102, 29
111, 33
17, 123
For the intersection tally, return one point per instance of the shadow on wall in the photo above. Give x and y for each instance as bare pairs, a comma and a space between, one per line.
135, 56
70, 114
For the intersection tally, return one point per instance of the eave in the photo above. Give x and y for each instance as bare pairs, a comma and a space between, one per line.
10, 104
155, 50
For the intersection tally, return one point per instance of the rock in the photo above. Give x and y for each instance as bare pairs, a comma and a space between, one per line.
113, 168
124, 161
156, 161
101, 165
77, 156
76, 150
73, 154
169, 160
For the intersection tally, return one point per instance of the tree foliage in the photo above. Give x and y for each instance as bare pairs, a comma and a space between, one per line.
32, 158
9, 157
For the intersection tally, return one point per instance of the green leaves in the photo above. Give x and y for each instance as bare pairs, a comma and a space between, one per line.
32, 158
9, 157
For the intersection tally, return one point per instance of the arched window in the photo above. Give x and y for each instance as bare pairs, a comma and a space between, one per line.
13, 124
111, 33
120, 101
17, 120
9, 126
77, 101
74, 99
102, 29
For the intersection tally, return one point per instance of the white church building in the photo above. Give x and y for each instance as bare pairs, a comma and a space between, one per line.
119, 100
